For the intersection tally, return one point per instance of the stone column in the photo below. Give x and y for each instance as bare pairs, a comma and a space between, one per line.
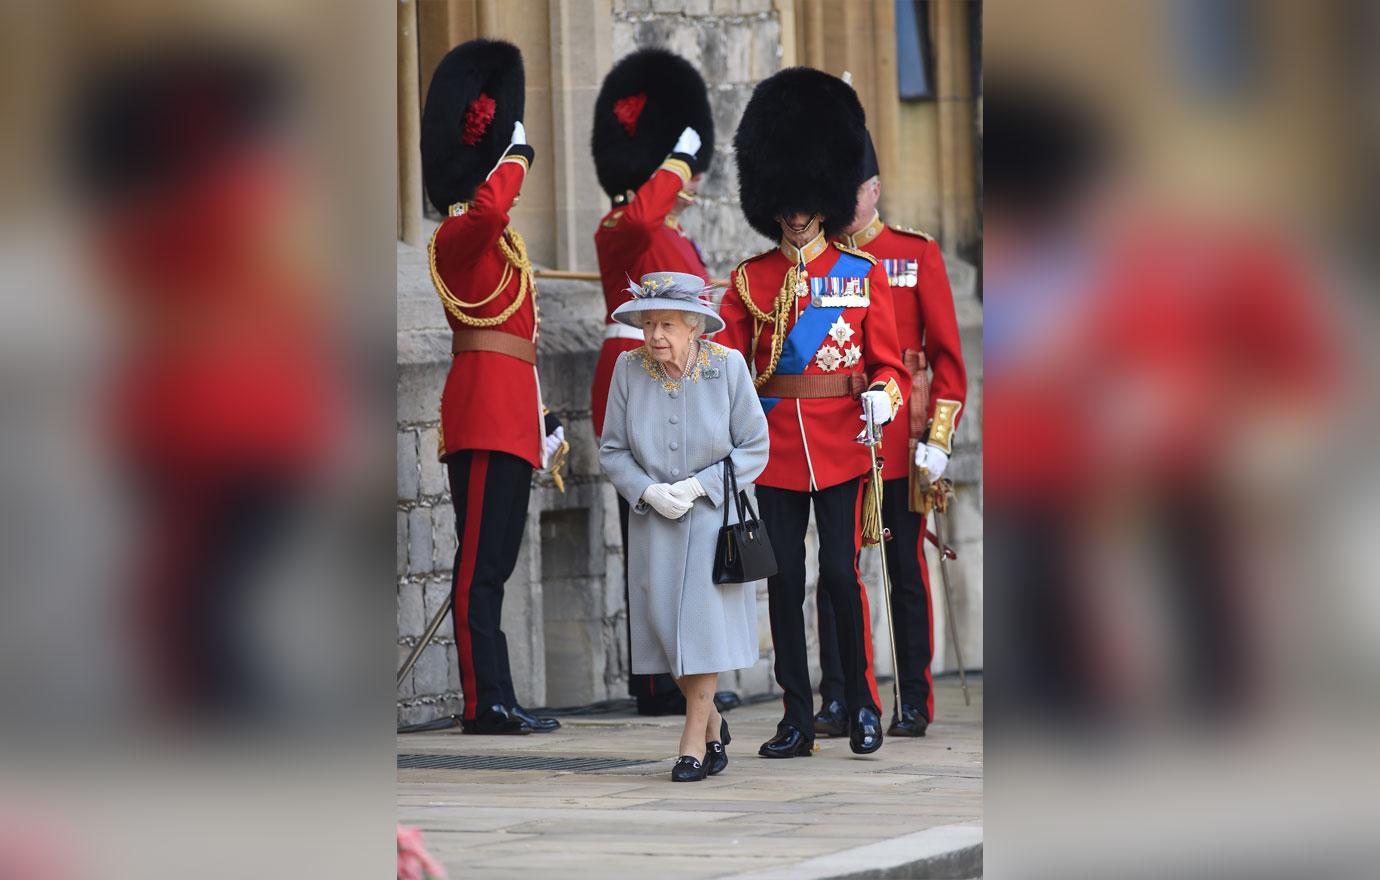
581, 51
409, 127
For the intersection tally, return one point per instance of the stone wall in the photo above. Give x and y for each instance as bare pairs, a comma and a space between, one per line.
564, 614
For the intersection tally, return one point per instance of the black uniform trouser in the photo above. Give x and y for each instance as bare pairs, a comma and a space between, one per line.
910, 602
658, 684
785, 515
490, 491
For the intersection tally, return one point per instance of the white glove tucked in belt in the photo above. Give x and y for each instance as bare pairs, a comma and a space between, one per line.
931, 459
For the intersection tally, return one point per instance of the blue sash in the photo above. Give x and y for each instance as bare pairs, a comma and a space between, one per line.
812, 327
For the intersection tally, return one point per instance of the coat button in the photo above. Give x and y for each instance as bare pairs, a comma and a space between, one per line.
675, 394
675, 472
675, 420
674, 446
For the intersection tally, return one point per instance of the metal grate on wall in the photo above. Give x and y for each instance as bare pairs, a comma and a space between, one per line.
514, 762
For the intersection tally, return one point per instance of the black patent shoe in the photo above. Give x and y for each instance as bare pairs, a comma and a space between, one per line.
688, 769
495, 721
714, 753
911, 722
832, 720
789, 742
715, 757
538, 725
865, 735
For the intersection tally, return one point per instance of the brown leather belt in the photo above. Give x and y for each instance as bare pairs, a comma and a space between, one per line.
495, 341
838, 385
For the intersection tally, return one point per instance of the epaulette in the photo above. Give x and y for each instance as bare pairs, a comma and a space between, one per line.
754, 258
855, 252
906, 230
612, 220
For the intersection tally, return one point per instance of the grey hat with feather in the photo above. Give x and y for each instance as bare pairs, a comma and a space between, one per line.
678, 291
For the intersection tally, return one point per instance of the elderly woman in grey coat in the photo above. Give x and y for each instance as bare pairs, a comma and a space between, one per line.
678, 406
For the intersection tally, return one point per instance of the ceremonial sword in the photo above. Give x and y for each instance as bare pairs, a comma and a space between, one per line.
872, 438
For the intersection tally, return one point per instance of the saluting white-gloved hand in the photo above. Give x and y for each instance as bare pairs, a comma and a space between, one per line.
689, 142
687, 491
931, 459
519, 134
879, 403
661, 499
553, 442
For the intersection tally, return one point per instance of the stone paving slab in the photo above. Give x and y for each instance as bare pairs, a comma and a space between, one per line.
830, 815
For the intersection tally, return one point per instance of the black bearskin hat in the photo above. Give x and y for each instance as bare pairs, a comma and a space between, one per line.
870, 167
476, 95
800, 147
646, 101
160, 119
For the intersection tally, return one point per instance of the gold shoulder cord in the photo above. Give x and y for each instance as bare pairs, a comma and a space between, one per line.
855, 252
777, 317
515, 252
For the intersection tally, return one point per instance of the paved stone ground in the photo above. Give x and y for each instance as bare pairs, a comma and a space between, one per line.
911, 798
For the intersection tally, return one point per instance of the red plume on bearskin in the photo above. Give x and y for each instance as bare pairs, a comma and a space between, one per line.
645, 102
800, 148
626, 110
476, 95
477, 118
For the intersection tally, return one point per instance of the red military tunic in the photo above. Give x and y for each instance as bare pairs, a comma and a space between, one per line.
925, 321
491, 400
633, 240
813, 443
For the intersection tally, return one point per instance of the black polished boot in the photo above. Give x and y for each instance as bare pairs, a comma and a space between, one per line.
911, 722
688, 769
832, 720
865, 736
495, 721
538, 725
714, 753
789, 742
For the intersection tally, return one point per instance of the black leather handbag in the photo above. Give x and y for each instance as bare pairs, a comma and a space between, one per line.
744, 552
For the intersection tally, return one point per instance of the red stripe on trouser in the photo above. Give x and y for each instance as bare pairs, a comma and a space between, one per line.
864, 490
929, 616
464, 577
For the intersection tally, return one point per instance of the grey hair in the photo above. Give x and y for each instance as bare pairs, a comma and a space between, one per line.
695, 321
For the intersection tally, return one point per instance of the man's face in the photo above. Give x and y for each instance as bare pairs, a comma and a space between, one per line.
799, 227
868, 195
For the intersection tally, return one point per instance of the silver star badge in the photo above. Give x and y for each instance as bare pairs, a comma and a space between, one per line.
828, 358
851, 355
840, 332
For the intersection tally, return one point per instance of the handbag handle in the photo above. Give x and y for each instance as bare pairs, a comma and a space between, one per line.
730, 480
732, 491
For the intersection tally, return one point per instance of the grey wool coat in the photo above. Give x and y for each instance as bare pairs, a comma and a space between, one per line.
659, 431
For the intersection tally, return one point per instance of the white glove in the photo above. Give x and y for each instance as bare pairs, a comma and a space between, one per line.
519, 134
931, 459
689, 142
879, 402
659, 496
688, 490
553, 442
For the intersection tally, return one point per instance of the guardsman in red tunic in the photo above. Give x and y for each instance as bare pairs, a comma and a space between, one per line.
493, 431
921, 436
814, 319
653, 140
